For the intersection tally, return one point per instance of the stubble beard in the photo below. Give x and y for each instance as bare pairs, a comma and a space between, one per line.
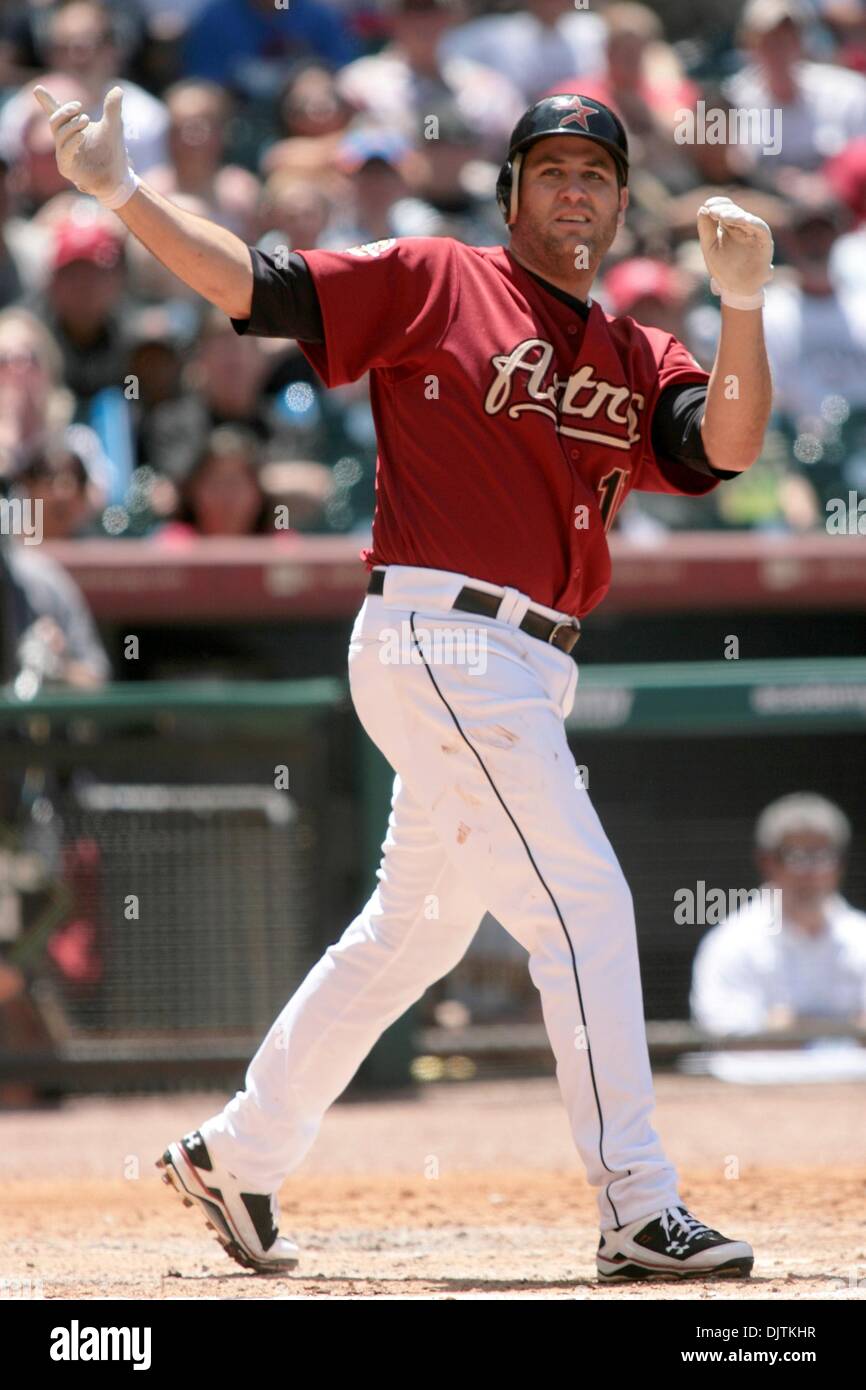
555, 256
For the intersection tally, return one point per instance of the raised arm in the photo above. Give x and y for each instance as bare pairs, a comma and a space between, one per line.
92, 155
738, 250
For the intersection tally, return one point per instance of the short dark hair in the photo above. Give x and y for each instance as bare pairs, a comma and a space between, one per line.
52, 458
222, 442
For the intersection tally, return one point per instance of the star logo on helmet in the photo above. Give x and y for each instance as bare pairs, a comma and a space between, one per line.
579, 113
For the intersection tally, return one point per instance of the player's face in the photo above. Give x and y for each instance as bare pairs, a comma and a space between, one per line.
570, 207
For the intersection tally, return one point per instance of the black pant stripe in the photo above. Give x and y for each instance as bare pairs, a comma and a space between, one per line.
553, 901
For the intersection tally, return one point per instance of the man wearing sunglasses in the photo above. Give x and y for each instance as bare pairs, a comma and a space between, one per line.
765, 968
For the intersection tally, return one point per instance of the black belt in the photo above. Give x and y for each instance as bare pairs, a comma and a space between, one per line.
563, 634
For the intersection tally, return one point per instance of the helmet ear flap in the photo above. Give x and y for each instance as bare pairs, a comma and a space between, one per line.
507, 188
515, 187
503, 189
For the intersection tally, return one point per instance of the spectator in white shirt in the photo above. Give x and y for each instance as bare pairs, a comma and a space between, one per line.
83, 45
546, 41
818, 107
413, 75
764, 969
815, 329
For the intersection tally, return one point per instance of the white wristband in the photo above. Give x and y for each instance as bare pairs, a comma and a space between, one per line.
123, 192
738, 301
744, 301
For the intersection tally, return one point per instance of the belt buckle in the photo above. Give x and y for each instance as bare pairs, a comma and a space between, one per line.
571, 623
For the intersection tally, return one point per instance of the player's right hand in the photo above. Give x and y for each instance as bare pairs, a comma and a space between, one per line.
91, 154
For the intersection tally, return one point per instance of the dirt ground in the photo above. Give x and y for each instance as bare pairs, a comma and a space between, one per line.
454, 1191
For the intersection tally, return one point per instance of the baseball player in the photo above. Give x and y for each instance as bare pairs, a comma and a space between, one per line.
513, 418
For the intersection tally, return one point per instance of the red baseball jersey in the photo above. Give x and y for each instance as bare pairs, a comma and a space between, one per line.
510, 430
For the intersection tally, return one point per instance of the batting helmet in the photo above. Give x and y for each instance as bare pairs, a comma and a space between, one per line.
560, 115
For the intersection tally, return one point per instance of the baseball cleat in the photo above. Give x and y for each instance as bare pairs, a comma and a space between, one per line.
672, 1244
244, 1223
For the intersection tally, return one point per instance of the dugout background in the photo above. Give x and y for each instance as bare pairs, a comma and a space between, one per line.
237, 904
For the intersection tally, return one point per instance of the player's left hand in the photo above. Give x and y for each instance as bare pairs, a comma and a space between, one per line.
737, 247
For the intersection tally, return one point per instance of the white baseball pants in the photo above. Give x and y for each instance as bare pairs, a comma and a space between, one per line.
488, 814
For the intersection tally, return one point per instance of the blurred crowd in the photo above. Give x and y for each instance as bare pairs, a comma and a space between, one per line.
131, 408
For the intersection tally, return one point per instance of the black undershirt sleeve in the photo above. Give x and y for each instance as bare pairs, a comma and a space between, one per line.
285, 303
676, 429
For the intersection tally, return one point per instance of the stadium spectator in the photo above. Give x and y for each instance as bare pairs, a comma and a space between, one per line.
227, 374
293, 211
34, 402
846, 175
313, 115
310, 104
54, 639
183, 11
199, 113
305, 488
166, 418
818, 107
374, 162
652, 292
643, 82
223, 493
711, 160
412, 76
67, 479
19, 59
797, 951
544, 41
453, 188
846, 20
82, 304
246, 44
82, 44
815, 332
170, 16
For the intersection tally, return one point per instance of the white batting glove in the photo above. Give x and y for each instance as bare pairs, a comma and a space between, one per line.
738, 251
91, 154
